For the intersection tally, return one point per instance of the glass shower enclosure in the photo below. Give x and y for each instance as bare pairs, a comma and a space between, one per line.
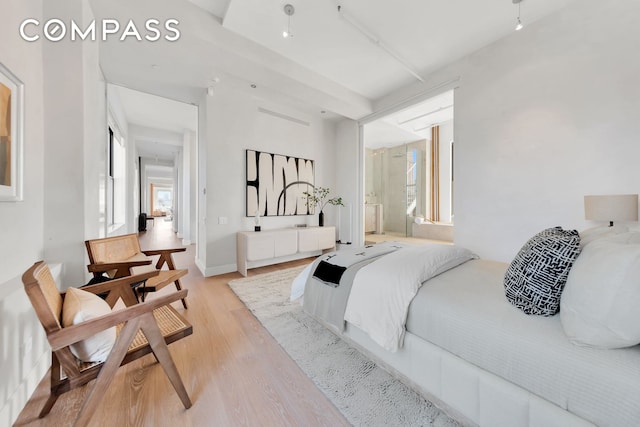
396, 187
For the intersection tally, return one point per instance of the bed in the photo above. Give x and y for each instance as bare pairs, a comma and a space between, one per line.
480, 358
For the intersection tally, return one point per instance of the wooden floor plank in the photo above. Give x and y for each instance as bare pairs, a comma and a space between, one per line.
234, 371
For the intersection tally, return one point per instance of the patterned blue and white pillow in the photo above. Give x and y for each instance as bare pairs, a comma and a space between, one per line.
536, 277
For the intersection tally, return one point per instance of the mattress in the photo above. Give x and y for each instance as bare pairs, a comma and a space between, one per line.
464, 311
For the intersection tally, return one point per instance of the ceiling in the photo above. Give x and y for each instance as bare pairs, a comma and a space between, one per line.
164, 114
160, 175
215, 7
410, 124
165, 121
426, 34
333, 63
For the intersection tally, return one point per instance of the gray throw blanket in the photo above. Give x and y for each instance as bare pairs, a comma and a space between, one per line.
332, 266
328, 303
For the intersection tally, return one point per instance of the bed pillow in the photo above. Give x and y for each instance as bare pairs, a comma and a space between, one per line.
536, 277
600, 305
80, 306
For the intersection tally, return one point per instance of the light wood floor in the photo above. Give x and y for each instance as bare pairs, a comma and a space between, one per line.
234, 371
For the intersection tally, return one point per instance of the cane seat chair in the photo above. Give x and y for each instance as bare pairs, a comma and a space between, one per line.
142, 328
120, 256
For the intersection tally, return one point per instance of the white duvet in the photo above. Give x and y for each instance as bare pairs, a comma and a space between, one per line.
382, 291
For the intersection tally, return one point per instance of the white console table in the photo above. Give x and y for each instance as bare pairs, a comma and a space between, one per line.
259, 248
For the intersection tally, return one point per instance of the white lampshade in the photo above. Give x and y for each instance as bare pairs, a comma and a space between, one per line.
619, 207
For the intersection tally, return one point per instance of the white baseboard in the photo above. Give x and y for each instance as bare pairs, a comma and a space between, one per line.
220, 269
214, 271
201, 266
186, 242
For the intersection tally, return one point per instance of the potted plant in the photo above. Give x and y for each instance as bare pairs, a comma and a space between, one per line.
319, 198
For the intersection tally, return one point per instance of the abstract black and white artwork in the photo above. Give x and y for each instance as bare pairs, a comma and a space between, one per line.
276, 183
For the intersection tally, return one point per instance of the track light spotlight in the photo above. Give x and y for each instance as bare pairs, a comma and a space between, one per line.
519, 22
289, 10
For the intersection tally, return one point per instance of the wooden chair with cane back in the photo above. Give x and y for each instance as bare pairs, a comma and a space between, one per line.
121, 256
142, 328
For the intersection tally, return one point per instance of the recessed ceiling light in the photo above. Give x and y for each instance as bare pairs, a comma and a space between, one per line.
155, 66
253, 86
322, 112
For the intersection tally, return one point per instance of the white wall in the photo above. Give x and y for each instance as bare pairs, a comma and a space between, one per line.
178, 181
348, 159
234, 124
542, 118
201, 198
95, 135
22, 223
62, 183
188, 188
446, 136
74, 145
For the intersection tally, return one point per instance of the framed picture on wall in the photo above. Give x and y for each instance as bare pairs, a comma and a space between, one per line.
11, 135
276, 183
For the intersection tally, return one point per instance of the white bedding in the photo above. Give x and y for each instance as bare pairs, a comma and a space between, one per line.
382, 291
465, 312
346, 258
297, 287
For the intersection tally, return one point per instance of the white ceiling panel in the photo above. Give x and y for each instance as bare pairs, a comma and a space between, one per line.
163, 120
425, 34
380, 134
153, 111
411, 124
215, 7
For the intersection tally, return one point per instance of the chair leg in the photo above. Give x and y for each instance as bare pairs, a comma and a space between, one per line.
108, 371
54, 374
51, 400
161, 351
179, 288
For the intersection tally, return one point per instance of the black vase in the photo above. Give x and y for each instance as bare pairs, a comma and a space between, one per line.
321, 219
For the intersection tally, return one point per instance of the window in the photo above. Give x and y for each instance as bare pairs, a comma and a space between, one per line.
164, 199
412, 181
116, 197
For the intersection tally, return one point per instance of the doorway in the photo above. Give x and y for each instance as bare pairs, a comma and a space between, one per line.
161, 158
408, 183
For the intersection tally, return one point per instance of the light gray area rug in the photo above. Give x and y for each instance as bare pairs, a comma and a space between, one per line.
366, 394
